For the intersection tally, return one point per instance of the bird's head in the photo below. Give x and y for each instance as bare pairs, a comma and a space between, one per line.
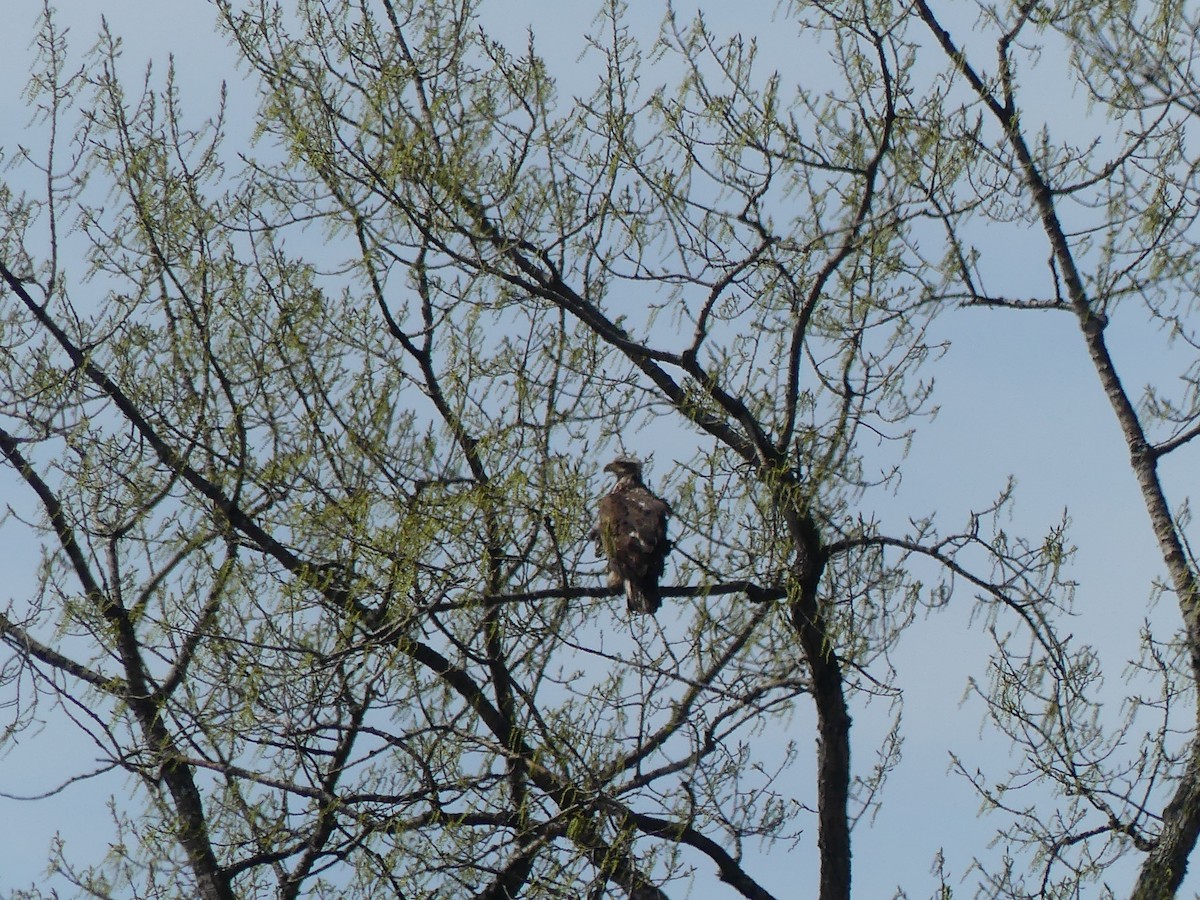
625, 466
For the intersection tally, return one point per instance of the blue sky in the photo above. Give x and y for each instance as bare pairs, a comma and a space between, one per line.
1017, 396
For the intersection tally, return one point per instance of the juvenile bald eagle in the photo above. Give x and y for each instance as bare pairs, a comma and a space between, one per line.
632, 534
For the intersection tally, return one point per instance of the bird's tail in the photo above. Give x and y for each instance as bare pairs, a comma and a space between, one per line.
642, 599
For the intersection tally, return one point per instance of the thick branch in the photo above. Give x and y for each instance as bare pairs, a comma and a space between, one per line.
192, 828
728, 868
1164, 867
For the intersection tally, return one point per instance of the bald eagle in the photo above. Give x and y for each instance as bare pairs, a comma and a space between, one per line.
632, 533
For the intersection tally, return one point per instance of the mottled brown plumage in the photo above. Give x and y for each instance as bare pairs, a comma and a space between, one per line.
632, 533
